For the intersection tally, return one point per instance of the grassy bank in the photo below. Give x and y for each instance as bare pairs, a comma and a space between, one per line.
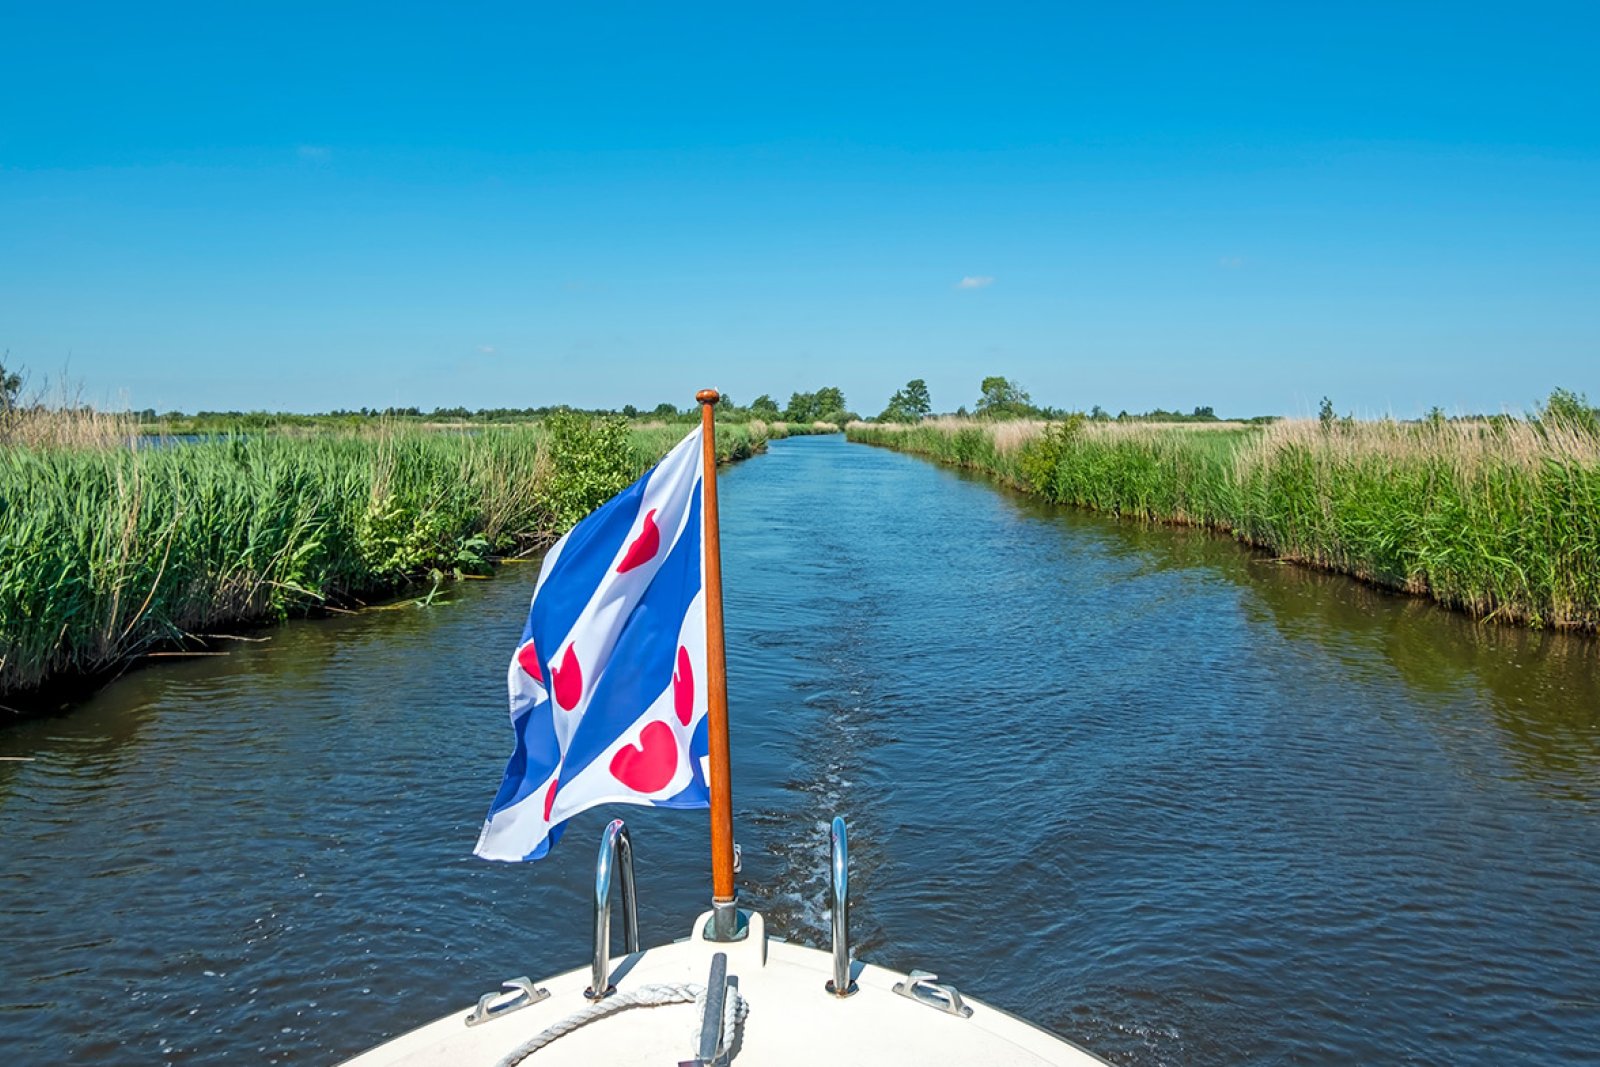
1500, 519
108, 551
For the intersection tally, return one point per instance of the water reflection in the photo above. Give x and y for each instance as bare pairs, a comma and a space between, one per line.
1543, 686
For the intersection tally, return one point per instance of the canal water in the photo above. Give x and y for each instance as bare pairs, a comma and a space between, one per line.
1173, 800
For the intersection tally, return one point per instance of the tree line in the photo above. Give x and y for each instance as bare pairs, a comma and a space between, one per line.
998, 397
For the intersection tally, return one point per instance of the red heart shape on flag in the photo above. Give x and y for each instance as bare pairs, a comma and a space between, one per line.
568, 680
528, 659
683, 688
648, 767
644, 546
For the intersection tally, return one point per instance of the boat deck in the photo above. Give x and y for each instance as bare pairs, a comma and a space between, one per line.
792, 1018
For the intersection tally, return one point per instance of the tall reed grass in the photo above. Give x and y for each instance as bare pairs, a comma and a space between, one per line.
65, 425
1500, 519
108, 549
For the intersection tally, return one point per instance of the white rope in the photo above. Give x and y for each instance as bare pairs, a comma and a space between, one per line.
648, 996
734, 1009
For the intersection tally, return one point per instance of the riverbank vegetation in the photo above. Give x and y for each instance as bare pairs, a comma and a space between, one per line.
823, 411
1497, 517
110, 547
1000, 398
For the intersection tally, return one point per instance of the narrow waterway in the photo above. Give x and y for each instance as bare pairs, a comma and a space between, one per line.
1177, 802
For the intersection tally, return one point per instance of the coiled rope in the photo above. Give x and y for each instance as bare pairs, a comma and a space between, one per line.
734, 1011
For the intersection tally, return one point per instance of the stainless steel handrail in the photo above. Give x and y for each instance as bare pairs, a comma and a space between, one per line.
840, 985
614, 845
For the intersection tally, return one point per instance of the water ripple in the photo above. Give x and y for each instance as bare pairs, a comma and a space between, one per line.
1182, 807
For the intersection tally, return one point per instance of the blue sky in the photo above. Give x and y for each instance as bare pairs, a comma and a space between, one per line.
308, 207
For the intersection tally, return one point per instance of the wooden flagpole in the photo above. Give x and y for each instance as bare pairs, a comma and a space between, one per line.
725, 918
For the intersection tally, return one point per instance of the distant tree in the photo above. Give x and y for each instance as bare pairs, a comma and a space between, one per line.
1205, 413
764, 407
1435, 416
894, 411
910, 404
10, 387
665, 411
917, 400
1001, 398
629, 411
1570, 411
1098, 414
1325, 413
802, 407
830, 404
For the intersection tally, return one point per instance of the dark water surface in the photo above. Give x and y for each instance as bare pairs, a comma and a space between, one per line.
1162, 795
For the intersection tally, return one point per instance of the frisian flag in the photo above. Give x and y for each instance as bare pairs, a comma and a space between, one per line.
608, 682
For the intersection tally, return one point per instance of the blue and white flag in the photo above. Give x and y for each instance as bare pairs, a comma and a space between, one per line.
608, 682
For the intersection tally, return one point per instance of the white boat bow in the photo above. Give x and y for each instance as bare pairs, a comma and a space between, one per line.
756, 1000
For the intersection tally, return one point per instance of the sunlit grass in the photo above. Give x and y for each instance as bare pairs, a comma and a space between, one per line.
107, 550
1499, 518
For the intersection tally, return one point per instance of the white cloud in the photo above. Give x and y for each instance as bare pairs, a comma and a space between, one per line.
487, 350
975, 281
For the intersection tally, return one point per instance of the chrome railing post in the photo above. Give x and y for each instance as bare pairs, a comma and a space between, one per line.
840, 985
615, 846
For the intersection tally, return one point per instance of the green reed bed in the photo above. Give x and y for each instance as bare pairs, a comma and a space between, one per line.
1498, 519
107, 551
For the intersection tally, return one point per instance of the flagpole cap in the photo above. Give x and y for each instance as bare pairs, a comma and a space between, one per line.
708, 396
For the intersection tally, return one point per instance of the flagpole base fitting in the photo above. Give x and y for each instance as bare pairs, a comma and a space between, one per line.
590, 994
727, 922
831, 988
